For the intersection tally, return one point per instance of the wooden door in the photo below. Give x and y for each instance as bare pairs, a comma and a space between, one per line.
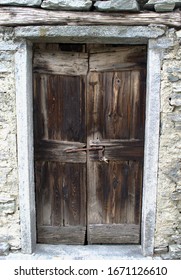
89, 112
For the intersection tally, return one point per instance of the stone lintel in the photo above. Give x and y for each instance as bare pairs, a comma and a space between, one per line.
90, 34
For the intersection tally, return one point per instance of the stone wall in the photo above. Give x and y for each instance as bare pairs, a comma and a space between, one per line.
9, 213
102, 5
168, 225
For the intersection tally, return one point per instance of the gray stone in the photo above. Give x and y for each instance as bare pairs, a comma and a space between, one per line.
4, 248
7, 205
175, 100
175, 171
162, 5
175, 251
165, 7
173, 78
174, 69
117, 5
107, 34
176, 195
176, 239
21, 2
83, 5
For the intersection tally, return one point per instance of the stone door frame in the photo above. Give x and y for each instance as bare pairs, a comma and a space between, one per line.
24, 105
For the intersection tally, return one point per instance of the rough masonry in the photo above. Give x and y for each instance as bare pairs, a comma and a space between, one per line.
9, 209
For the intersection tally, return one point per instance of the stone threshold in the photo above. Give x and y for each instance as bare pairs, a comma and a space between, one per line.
78, 252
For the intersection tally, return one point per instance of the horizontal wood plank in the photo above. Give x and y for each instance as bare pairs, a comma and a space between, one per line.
62, 235
114, 234
60, 63
118, 58
14, 16
56, 151
119, 153
121, 143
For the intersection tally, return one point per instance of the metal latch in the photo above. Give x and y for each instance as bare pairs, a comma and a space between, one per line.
100, 150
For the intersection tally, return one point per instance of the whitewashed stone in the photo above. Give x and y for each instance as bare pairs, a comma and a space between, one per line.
117, 5
74, 5
21, 2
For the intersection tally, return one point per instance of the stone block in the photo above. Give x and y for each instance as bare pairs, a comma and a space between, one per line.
74, 5
21, 2
178, 33
117, 5
161, 250
177, 88
172, 78
4, 248
175, 100
176, 239
175, 172
175, 251
162, 5
165, 7
7, 205
176, 195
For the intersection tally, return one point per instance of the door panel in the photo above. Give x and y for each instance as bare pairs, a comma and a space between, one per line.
60, 198
89, 118
59, 123
116, 115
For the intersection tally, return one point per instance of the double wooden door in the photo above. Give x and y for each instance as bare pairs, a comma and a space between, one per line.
89, 115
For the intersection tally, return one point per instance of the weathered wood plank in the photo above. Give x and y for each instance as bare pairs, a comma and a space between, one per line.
60, 63
119, 153
14, 16
52, 150
117, 58
114, 234
62, 235
117, 142
57, 112
61, 194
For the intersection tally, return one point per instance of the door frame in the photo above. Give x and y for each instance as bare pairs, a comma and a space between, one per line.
24, 107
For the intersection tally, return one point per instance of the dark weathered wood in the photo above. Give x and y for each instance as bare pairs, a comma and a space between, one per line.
66, 235
121, 58
105, 109
117, 142
60, 63
115, 120
58, 100
119, 153
60, 195
59, 124
14, 16
51, 150
114, 234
